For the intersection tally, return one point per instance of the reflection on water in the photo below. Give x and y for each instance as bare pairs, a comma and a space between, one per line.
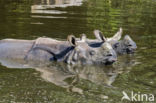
58, 3
27, 19
44, 6
57, 73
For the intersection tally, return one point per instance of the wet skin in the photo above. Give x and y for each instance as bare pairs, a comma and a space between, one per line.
47, 49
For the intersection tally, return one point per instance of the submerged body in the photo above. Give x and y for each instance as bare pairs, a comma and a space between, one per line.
47, 49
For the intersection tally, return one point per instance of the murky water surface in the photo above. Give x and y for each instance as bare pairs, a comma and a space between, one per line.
59, 83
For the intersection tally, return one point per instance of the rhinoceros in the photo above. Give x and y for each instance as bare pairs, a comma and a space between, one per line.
125, 46
47, 49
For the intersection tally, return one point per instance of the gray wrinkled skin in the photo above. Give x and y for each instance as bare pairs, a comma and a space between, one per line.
98, 43
125, 46
46, 49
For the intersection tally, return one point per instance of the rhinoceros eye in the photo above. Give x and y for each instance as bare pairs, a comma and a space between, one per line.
92, 52
116, 45
129, 45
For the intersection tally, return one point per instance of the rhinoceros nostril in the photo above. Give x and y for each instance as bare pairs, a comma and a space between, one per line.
129, 45
109, 55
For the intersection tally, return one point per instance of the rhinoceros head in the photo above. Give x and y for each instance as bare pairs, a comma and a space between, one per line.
85, 54
129, 44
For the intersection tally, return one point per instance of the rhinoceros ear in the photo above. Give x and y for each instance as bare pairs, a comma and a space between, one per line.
72, 40
118, 35
127, 37
98, 34
83, 37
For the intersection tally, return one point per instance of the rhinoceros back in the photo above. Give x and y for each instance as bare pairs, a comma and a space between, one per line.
12, 48
21, 49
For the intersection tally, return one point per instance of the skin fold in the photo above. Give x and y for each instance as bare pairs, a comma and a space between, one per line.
47, 49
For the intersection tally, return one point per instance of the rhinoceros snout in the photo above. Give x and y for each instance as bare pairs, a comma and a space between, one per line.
111, 60
130, 50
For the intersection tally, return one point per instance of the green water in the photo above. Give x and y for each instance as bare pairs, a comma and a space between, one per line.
58, 83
